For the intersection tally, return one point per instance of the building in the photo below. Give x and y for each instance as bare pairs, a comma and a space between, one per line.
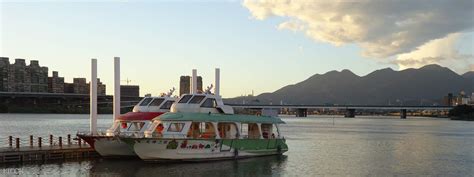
185, 84
80, 86
4, 70
56, 84
19, 77
129, 91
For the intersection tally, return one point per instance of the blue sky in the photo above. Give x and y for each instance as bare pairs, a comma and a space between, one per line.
160, 41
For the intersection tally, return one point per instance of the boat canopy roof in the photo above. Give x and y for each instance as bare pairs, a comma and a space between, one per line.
131, 116
205, 117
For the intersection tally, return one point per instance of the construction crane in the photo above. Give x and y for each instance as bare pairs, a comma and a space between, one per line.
127, 81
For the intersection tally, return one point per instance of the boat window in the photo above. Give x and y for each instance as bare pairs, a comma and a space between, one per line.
275, 132
167, 105
209, 103
185, 99
196, 99
124, 126
208, 130
267, 131
228, 130
244, 130
136, 126
194, 131
146, 101
253, 133
175, 127
157, 102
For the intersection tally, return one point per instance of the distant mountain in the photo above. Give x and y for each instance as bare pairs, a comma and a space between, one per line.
469, 75
423, 86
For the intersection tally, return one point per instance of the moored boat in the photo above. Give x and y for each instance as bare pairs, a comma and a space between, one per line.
199, 127
108, 144
209, 136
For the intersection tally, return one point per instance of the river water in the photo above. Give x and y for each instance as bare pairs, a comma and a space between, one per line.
318, 146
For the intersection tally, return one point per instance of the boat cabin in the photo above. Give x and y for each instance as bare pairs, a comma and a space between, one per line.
147, 109
201, 103
155, 104
214, 126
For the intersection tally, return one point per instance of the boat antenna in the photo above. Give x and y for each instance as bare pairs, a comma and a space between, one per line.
171, 92
208, 89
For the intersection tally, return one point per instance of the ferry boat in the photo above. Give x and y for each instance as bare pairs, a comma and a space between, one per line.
107, 144
200, 127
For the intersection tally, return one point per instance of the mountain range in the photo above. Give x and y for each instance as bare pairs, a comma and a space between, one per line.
424, 86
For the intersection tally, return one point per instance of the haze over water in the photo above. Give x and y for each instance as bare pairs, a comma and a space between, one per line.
364, 146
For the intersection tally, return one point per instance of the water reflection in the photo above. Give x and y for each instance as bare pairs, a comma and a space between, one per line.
261, 166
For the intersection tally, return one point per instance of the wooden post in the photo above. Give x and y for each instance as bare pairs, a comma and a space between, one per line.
79, 141
31, 140
10, 141
50, 140
39, 142
68, 139
60, 142
17, 143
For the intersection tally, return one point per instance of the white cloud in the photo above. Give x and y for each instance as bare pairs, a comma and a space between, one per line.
440, 51
383, 28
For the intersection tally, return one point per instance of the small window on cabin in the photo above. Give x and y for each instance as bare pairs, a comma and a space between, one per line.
146, 101
228, 130
167, 105
244, 130
185, 99
175, 127
157, 102
254, 133
195, 130
209, 103
276, 132
196, 99
267, 131
136, 126
208, 130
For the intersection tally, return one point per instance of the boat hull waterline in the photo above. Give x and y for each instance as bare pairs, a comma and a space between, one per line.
159, 149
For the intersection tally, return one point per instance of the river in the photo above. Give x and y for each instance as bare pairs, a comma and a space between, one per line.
318, 146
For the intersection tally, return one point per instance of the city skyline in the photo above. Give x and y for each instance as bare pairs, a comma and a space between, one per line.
234, 36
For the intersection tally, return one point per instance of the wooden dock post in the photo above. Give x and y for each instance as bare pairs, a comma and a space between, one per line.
10, 141
31, 140
39, 142
17, 143
50, 140
61, 142
79, 142
68, 139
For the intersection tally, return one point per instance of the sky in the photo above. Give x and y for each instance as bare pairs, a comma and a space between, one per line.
259, 45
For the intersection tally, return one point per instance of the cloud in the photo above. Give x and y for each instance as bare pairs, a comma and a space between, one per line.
383, 28
439, 51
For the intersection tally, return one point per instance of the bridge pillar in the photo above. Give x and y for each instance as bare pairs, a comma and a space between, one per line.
301, 112
350, 113
403, 114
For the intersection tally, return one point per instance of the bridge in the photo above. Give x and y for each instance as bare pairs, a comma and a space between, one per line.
302, 110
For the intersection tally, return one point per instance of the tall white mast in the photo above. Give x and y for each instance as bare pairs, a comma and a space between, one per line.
116, 110
93, 97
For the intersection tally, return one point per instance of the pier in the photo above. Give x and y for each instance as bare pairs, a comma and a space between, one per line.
39, 149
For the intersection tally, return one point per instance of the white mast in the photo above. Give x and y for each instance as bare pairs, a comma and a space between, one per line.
217, 82
116, 110
93, 97
194, 82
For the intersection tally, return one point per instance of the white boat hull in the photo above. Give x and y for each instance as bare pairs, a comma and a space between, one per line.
109, 147
195, 150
